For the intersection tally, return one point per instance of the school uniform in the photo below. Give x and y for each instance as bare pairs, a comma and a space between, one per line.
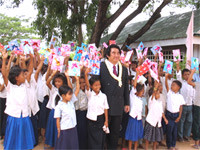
3, 116
33, 106
43, 98
134, 130
19, 130
81, 110
68, 134
153, 129
185, 123
97, 103
196, 113
174, 101
51, 129
162, 79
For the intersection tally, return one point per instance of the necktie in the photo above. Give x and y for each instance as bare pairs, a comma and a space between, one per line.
114, 70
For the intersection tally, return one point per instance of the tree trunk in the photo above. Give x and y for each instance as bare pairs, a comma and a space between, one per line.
132, 38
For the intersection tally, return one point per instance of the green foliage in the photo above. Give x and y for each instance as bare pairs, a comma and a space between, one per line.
11, 28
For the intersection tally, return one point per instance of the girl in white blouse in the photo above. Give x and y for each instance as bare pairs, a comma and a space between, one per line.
19, 130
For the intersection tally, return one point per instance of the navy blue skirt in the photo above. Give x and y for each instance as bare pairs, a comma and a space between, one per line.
51, 130
19, 133
43, 113
68, 139
134, 130
82, 129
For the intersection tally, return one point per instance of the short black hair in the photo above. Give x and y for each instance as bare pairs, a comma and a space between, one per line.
178, 83
185, 70
62, 77
150, 91
14, 72
93, 79
108, 50
64, 89
134, 62
139, 87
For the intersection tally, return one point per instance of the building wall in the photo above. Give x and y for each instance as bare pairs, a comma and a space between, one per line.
196, 52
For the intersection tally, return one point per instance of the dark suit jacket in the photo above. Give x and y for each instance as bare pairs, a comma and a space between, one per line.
117, 96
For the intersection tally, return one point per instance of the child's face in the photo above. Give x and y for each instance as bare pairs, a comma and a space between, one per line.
133, 66
161, 73
21, 78
82, 84
157, 94
141, 93
174, 87
96, 86
186, 75
58, 82
160, 87
25, 74
67, 97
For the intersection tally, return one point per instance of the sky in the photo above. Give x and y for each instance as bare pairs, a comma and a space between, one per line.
27, 10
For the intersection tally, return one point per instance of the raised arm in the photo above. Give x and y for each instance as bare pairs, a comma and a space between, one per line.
77, 86
166, 82
39, 68
135, 81
22, 63
155, 58
48, 72
86, 79
68, 79
4, 72
30, 68
177, 66
189, 81
9, 63
48, 83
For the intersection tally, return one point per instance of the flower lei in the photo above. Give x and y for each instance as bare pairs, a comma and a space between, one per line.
119, 78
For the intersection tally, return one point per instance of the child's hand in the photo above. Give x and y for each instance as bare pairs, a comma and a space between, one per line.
42, 58
166, 121
106, 123
58, 133
177, 120
166, 75
77, 78
66, 73
88, 70
5, 55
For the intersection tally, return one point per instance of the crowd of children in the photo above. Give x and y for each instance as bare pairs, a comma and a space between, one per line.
72, 112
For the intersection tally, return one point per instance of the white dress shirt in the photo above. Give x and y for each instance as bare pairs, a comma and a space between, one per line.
3, 94
162, 79
97, 103
155, 112
197, 94
53, 94
32, 97
136, 105
82, 103
110, 65
17, 100
66, 111
187, 90
174, 101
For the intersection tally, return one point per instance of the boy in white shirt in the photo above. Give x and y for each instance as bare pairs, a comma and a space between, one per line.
187, 90
173, 112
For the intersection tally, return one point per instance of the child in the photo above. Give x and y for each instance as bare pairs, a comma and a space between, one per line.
19, 130
81, 110
187, 90
173, 112
66, 118
97, 113
59, 79
153, 129
134, 130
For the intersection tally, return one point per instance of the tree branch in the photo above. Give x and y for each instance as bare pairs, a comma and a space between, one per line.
132, 38
142, 4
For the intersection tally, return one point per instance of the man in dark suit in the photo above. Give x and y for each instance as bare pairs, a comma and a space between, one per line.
114, 83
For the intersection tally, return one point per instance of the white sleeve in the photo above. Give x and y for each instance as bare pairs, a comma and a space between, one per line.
88, 93
8, 86
74, 98
179, 75
105, 102
182, 100
57, 112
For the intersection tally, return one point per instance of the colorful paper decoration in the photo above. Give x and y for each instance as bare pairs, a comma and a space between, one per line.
112, 42
144, 68
84, 46
1, 46
141, 46
195, 63
155, 49
139, 53
160, 56
154, 67
26, 46
35, 44
105, 45
168, 66
122, 57
65, 49
154, 75
128, 55
53, 41
73, 45
140, 79
145, 52
95, 67
13, 45
74, 68
129, 47
57, 63
78, 53
6, 47
176, 55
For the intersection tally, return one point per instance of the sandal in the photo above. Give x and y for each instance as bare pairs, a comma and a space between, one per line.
195, 146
